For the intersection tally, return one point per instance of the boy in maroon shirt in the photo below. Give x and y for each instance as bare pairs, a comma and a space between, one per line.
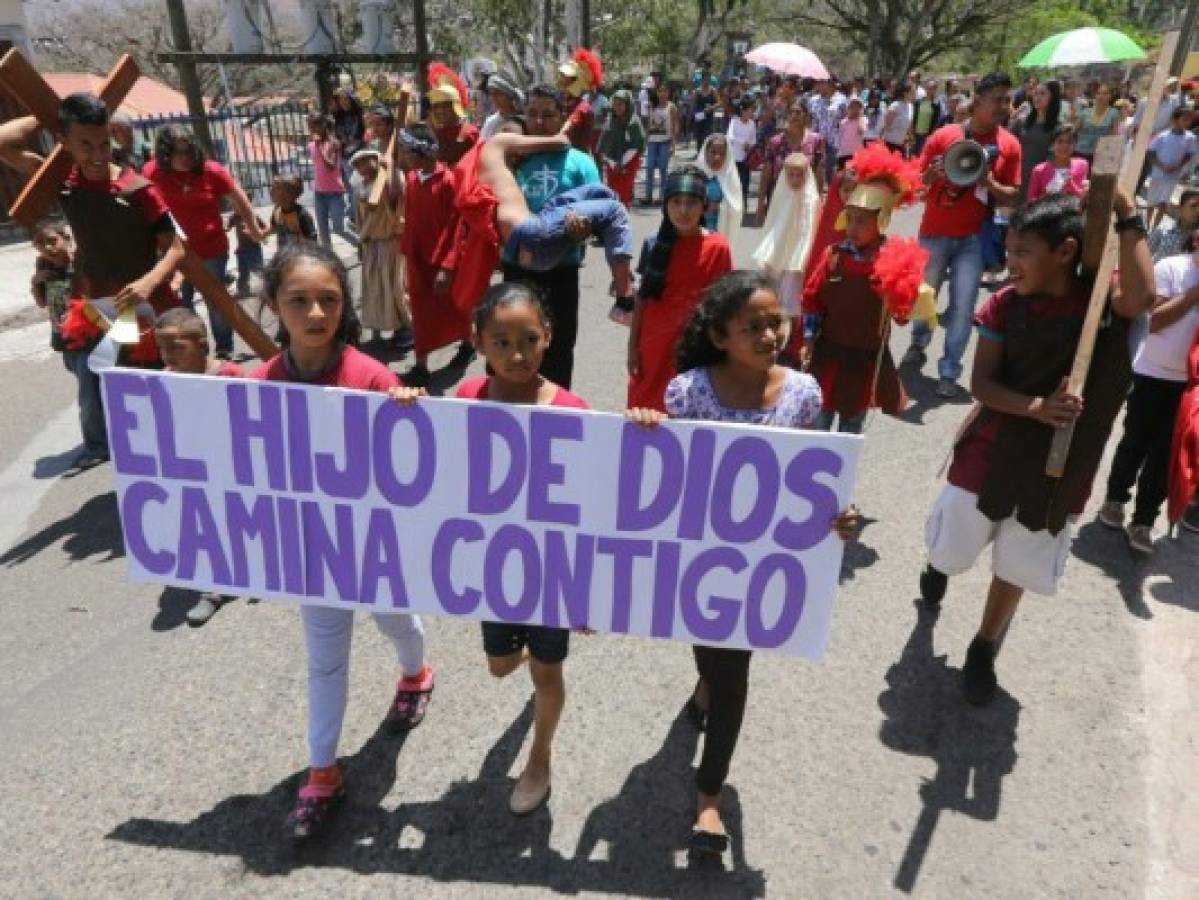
998, 493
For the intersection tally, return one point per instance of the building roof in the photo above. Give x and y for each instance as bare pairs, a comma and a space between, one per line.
149, 97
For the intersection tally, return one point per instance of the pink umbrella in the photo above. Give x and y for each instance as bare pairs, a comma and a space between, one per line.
789, 59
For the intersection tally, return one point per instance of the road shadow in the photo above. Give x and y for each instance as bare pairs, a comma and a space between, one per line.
857, 555
1174, 567
468, 835
174, 603
93, 530
56, 464
922, 391
973, 747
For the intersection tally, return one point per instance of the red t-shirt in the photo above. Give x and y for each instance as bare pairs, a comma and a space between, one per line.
957, 212
354, 369
195, 200
972, 456
476, 389
150, 201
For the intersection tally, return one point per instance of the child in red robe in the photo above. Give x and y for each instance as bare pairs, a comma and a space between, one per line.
430, 247
857, 287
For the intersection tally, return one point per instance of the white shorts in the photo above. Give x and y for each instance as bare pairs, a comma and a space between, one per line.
956, 534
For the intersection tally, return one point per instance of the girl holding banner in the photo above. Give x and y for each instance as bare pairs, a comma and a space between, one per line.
729, 372
308, 289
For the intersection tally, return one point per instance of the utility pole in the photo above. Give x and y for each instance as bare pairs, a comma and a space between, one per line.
181, 38
585, 23
1186, 40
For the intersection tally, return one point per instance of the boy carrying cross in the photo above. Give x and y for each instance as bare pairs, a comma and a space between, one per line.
998, 493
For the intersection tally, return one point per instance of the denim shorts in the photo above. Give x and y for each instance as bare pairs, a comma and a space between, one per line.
546, 645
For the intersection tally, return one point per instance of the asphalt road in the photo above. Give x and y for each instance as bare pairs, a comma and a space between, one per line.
147, 759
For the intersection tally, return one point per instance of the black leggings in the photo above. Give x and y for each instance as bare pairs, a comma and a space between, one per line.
745, 173
726, 673
1143, 455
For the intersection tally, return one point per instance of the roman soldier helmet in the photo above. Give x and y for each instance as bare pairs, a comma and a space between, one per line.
581, 73
445, 86
885, 180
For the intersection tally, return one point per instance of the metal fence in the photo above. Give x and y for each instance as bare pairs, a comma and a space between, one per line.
255, 143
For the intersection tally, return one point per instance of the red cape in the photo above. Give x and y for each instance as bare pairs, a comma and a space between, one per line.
1184, 456
479, 241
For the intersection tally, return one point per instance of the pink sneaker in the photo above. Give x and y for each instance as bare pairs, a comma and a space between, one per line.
314, 807
411, 701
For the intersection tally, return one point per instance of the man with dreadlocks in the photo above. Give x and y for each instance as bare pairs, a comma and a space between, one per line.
857, 287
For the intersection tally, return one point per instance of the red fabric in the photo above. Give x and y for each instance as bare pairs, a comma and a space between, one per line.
898, 274
77, 329
455, 141
826, 232
622, 184
948, 216
477, 241
1184, 455
428, 245
194, 199
972, 456
813, 303
153, 207
580, 125
476, 389
354, 370
695, 262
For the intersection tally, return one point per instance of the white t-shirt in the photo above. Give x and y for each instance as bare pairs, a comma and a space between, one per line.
897, 132
742, 135
1164, 353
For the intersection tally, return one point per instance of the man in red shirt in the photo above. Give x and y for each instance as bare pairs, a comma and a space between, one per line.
953, 222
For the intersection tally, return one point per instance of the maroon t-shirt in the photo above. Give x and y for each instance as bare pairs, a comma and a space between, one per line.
476, 389
353, 369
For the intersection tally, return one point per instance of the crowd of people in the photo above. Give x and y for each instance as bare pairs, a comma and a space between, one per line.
797, 337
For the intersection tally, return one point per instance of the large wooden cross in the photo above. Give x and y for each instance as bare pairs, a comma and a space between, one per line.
26, 84
1100, 245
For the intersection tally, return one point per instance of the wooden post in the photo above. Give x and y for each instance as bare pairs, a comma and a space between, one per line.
1100, 221
389, 154
188, 77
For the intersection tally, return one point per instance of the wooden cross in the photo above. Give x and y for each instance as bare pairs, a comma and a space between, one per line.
389, 154
26, 84
1100, 246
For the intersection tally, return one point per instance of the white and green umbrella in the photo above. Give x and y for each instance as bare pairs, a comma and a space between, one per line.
1081, 47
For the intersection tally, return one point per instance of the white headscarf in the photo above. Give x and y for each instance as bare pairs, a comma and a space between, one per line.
790, 227
729, 221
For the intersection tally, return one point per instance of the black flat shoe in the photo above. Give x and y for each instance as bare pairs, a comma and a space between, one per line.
707, 843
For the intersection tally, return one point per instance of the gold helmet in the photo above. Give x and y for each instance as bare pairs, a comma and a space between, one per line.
884, 180
581, 73
446, 87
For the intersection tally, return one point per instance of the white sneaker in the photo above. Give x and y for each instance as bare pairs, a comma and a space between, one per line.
1111, 514
1140, 538
205, 608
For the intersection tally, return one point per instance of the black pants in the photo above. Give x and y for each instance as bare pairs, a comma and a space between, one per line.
560, 294
726, 672
702, 130
745, 173
1143, 455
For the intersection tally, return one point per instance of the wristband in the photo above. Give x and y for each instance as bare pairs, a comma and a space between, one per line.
1133, 222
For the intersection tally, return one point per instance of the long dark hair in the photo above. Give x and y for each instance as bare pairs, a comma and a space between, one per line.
1053, 112
721, 302
653, 281
349, 329
171, 136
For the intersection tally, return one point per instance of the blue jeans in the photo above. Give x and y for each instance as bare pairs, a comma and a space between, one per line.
91, 406
249, 260
331, 216
657, 160
222, 331
962, 260
541, 241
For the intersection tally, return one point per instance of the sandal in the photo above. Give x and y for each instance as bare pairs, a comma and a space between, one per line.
411, 701
707, 843
314, 807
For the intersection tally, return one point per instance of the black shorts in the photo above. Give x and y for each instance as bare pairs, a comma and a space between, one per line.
546, 645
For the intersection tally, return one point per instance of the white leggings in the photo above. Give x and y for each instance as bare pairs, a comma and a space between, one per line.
327, 634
